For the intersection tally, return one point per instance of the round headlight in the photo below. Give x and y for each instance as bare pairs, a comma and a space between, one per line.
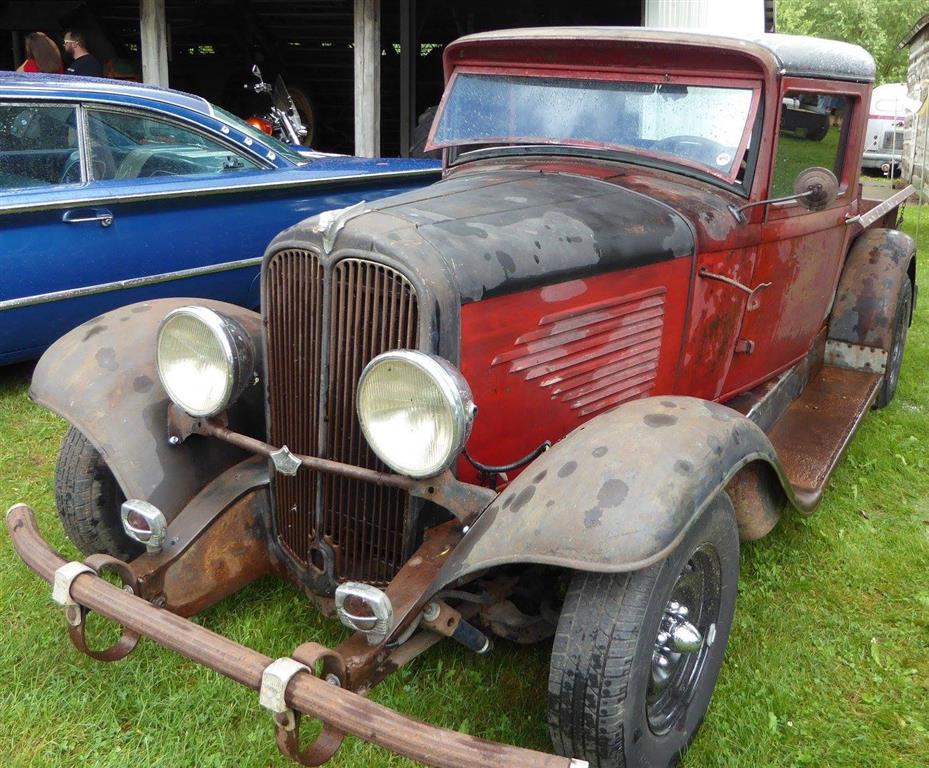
415, 411
204, 360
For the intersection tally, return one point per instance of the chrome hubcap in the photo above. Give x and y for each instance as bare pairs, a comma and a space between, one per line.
676, 636
685, 634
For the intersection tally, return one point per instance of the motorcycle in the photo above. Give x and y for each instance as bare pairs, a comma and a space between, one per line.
283, 120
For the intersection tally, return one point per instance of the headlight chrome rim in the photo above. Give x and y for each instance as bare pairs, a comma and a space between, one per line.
455, 392
237, 354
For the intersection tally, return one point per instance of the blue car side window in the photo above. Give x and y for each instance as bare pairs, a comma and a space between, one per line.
133, 145
38, 146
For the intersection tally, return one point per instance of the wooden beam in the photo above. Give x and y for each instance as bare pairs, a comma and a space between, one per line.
154, 43
409, 54
367, 78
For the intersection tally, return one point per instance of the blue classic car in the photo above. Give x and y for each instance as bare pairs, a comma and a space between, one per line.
114, 193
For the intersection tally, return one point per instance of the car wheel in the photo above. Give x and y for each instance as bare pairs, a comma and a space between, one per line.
636, 655
89, 500
897, 344
307, 112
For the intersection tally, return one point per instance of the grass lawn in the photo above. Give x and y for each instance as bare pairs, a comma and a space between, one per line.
828, 664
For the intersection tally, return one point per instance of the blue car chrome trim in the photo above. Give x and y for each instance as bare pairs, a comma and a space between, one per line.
188, 191
132, 282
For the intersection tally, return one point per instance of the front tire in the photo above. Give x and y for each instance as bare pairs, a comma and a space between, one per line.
89, 500
611, 700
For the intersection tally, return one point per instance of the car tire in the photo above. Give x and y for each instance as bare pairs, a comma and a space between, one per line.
89, 500
897, 345
603, 703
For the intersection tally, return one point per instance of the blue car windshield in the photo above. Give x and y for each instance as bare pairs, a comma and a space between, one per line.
702, 126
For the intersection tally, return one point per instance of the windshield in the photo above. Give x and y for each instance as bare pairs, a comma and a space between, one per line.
698, 125
282, 149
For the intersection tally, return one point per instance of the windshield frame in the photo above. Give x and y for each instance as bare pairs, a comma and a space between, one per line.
284, 150
454, 150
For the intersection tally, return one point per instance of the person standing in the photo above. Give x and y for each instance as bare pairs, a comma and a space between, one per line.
42, 55
83, 62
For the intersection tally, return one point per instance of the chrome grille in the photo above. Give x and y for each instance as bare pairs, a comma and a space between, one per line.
372, 309
293, 311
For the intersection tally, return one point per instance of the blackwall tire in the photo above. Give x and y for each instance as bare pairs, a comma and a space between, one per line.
897, 345
89, 500
602, 705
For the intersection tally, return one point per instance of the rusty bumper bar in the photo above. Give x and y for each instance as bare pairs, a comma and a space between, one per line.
340, 709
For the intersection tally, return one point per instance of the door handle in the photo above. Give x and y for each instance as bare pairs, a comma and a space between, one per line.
77, 216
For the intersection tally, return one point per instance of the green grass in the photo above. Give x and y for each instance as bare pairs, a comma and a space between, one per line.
828, 664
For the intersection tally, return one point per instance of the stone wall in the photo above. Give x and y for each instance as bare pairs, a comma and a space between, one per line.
914, 164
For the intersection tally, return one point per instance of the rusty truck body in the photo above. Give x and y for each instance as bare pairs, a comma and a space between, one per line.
540, 400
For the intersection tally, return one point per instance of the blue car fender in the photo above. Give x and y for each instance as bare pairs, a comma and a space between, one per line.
102, 378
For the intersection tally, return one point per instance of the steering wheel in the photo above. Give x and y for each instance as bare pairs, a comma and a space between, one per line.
72, 170
698, 148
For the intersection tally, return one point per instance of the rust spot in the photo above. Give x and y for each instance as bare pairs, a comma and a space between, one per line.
95, 331
683, 467
659, 420
613, 493
599, 451
106, 359
540, 477
592, 517
567, 469
522, 499
142, 383
139, 308
507, 501
669, 404
506, 261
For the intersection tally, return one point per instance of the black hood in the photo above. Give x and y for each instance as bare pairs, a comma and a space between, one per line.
506, 231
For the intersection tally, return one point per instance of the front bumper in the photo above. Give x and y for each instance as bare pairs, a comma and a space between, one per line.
339, 710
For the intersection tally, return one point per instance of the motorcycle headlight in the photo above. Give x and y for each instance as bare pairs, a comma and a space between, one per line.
204, 360
415, 411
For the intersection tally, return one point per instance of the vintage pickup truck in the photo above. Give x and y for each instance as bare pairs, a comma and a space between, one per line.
542, 399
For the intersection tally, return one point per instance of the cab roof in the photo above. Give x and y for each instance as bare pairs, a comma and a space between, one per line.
789, 54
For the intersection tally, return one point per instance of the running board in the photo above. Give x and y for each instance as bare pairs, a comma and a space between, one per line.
816, 428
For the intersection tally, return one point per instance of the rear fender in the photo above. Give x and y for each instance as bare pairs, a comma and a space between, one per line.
866, 299
101, 377
620, 492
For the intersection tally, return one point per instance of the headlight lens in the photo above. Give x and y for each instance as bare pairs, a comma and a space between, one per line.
415, 411
204, 359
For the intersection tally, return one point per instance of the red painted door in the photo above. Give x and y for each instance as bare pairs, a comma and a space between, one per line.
801, 252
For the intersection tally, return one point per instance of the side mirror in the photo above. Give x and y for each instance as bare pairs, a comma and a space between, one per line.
815, 188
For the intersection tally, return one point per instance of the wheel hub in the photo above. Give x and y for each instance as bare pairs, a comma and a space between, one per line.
676, 636
685, 634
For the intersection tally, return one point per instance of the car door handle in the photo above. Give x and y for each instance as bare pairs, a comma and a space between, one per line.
80, 216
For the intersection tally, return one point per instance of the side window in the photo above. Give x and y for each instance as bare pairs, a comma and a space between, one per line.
38, 146
811, 134
133, 145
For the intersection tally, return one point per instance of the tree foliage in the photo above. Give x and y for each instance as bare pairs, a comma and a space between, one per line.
878, 26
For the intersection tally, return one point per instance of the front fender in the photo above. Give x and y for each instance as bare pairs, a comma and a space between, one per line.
618, 493
101, 377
